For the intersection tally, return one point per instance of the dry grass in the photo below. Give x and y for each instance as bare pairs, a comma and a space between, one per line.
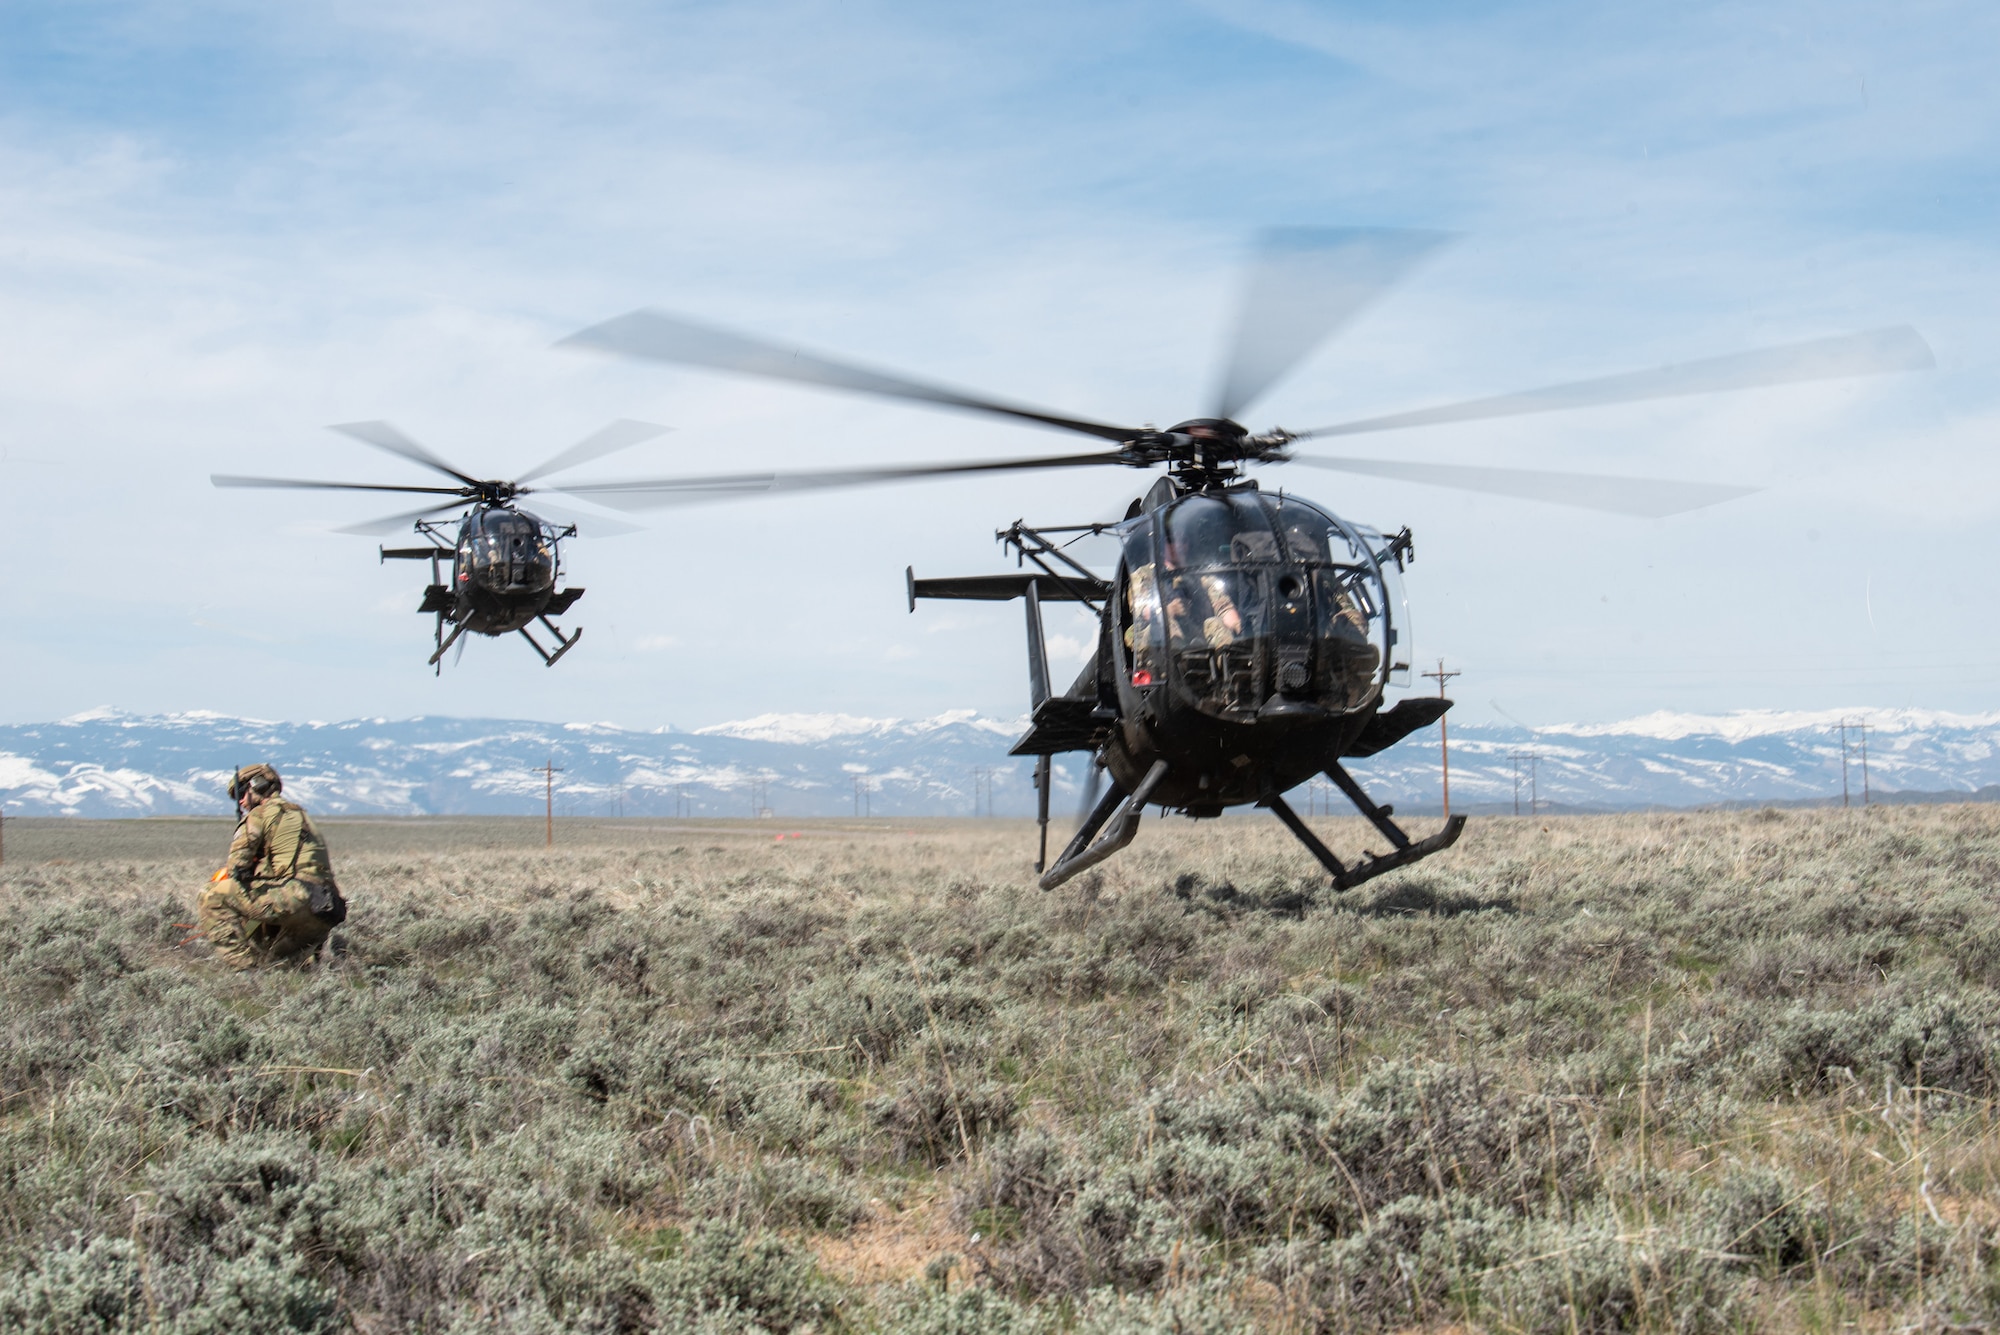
1677, 1072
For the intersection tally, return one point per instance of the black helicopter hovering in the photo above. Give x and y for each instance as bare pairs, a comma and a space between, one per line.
1246, 640
505, 562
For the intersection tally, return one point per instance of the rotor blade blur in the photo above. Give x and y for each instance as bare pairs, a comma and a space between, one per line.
372, 528
620, 435
1876, 352
587, 525
659, 337
383, 436
657, 493
1304, 284
232, 480
1649, 498
1092, 784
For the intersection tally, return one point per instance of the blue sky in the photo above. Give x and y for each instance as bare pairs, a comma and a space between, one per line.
223, 226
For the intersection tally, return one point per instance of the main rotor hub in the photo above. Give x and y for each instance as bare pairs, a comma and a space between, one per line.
1205, 452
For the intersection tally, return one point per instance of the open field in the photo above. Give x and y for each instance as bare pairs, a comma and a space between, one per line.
1674, 1073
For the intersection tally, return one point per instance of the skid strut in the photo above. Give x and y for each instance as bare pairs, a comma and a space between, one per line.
1087, 849
446, 641
549, 659
1404, 851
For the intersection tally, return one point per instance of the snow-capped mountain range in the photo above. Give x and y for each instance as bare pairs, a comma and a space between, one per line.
108, 763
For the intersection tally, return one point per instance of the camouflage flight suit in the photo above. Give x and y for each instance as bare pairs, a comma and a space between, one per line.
260, 912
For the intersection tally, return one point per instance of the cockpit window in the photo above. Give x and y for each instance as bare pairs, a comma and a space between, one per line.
1145, 634
1265, 604
1205, 531
503, 550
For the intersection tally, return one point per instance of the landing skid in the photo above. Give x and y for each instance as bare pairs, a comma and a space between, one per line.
549, 659
1122, 810
1404, 853
444, 641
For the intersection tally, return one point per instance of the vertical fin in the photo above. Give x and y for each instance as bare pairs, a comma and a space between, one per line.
1038, 654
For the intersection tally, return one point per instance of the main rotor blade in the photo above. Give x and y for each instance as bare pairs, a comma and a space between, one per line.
1876, 352
656, 493
392, 523
620, 435
1092, 783
659, 337
232, 480
383, 436
1650, 498
587, 525
1304, 284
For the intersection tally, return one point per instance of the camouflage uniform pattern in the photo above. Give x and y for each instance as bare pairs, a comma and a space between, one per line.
259, 913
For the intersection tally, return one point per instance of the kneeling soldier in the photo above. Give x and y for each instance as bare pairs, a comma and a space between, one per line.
277, 897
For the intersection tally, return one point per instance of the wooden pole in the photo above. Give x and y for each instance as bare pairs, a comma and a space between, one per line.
549, 772
1444, 737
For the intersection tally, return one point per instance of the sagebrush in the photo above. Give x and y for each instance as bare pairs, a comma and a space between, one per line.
1676, 1072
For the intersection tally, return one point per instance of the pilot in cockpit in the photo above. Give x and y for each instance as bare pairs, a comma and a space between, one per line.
1199, 607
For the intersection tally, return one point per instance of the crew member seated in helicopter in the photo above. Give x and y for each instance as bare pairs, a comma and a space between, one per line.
1203, 602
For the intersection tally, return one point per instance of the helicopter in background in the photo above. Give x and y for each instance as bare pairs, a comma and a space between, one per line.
1246, 642
505, 562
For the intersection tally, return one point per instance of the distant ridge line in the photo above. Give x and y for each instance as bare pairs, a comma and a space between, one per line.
109, 762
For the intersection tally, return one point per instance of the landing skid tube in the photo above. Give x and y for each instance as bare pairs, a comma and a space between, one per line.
445, 641
549, 659
1405, 852
1087, 849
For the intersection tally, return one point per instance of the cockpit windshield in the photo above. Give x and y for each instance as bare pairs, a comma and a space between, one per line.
506, 550
1256, 604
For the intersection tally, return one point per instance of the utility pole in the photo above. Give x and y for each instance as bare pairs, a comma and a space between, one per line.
982, 787
1864, 762
1534, 793
1444, 737
548, 773
1843, 765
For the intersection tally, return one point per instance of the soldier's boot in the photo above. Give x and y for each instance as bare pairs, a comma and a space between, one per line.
298, 945
293, 929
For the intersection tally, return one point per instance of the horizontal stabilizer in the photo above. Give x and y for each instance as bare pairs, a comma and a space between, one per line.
437, 598
561, 602
1001, 588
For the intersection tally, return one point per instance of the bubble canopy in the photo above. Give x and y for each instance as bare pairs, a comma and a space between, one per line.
1248, 605
504, 550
